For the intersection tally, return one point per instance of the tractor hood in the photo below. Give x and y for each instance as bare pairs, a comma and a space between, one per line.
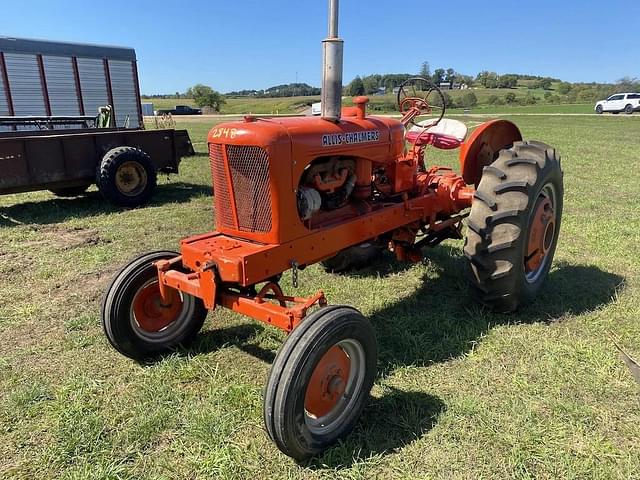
376, 138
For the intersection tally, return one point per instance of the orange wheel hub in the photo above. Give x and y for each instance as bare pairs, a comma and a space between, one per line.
541, 234
328, 382
151, 313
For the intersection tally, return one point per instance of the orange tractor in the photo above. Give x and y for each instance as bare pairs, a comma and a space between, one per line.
336, 189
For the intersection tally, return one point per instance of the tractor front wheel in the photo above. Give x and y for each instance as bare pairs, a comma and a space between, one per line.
136, 320
320, 381
513, 226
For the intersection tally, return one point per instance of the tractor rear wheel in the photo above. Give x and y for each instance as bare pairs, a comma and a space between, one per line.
136, 321
320, 381
513, 227
352, 258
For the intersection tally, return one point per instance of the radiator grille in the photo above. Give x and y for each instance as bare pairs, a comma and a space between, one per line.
249, 170
222, 199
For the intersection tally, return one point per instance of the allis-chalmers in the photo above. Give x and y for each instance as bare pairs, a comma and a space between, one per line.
291, 192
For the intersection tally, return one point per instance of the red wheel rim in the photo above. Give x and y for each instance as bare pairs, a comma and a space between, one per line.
541, 234
328, 382
150, 312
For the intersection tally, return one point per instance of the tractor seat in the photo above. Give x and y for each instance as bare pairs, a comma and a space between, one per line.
447, 134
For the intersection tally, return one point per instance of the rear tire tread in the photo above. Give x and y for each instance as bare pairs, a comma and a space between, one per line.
496, 256
512, 187
483, 197
494, 171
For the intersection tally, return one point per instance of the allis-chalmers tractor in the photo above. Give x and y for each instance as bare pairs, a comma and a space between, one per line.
291, 192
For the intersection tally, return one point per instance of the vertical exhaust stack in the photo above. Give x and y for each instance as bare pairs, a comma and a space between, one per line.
332, 48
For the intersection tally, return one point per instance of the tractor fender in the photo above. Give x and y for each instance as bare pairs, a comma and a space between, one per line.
483, 145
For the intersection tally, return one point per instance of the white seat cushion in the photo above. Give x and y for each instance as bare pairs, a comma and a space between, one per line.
447, 134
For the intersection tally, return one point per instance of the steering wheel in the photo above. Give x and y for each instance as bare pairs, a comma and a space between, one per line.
417, 97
